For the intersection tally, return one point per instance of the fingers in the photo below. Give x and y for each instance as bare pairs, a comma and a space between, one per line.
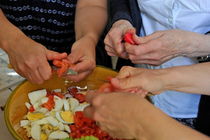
84, 65
113, 43
95, 102
45, 70
89, 97
126, 72
78, 77
89, 111
51, 55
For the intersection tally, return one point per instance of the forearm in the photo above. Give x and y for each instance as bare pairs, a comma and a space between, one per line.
155, 125
91, 19
9, 34
196, 45
193, 78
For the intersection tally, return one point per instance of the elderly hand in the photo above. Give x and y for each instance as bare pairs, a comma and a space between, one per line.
115, 112
143, 79
161, 46
114, 38
83, 56
30, 59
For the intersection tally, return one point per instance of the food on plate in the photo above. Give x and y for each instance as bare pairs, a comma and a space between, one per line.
53, 115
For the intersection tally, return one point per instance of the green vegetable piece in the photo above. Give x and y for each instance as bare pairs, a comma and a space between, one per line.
87, 138
93, 138
82, 138
68, 138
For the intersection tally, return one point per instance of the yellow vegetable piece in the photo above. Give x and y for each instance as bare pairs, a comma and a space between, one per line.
47, 127
43, 136
34, 116
67, 116
55, 128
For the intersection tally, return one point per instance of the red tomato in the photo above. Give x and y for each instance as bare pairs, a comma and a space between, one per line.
31, 109
58, 94
80, 97
128, 37
106, 87
72, 90
50, 103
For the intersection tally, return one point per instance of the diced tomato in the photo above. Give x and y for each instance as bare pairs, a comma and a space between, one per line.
50, 103
31, 109
58, 94
80, 97
73, 90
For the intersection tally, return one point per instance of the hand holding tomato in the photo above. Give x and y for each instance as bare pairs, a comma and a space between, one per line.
114, 39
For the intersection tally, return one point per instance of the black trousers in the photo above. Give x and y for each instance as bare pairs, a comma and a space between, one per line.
203, 119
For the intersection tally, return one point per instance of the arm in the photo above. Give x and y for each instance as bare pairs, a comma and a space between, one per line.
27, 57
125, 115
162, 46
90, 21
193, 79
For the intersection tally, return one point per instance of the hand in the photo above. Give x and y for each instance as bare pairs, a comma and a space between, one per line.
143, 79
83, 56
115, 113
30, 59
162, 46
114, 39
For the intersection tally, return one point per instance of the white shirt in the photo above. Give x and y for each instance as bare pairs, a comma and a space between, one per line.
190, 15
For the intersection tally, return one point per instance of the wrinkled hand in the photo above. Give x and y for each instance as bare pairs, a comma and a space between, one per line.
115, 113
83, 56
143, 79
30, 59
162, 46
114, 39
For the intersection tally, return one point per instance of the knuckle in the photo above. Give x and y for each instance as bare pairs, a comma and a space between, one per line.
125, 68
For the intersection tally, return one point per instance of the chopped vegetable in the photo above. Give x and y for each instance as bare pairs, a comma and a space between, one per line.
62, 65
50, 103
56, 116
128, 37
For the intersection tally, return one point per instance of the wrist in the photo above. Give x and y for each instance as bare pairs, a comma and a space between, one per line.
10, 39
123, 22
172, 80
93, 38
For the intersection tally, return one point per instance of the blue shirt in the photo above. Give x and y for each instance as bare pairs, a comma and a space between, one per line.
189, 15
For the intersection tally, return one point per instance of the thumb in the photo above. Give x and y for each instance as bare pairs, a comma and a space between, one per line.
73, 57
51, 55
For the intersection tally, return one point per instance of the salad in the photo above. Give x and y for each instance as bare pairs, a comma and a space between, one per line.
53, 115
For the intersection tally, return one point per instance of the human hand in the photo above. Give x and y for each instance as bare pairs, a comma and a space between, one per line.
83, 56
114, 39
114, 112
145, 80
30, 59
162, 46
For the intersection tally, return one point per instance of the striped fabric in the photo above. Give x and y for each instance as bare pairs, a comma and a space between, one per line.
49, 22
